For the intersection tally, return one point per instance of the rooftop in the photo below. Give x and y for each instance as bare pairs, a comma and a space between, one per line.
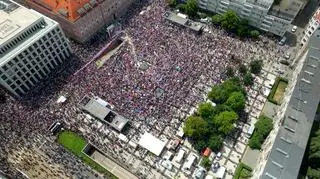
287, 9
71, 10
103, 113
14, 19
288, 149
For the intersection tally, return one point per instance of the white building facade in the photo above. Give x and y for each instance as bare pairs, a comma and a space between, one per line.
31, 46
313, 25
257, 12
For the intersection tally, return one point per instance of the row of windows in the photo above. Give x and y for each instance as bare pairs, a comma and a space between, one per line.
21, 37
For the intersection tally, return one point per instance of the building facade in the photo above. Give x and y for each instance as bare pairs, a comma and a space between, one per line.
262, 14
285, 146
31, 46
81, 19
313, 25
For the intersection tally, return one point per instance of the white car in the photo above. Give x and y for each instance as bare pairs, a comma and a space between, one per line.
287, 55
294, 28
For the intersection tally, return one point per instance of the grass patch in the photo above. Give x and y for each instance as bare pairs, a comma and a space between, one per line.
75, 143
278, 90
243, 171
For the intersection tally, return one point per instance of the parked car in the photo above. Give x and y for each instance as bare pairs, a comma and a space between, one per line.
287, 55
282, 41
294, 29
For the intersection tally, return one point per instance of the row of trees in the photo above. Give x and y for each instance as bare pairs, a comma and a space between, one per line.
210, 124
313, 154
228, 20
247, 78
262, 129
231, 22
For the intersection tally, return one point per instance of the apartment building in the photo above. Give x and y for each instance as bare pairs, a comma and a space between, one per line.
31, 46
262, 14
81, 19
313, 25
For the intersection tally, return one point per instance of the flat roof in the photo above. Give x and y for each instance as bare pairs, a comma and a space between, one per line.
287, 9
103, 113
182, 21
14, 18
289, 146
151, 143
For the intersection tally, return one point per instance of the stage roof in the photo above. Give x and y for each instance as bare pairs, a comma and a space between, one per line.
151, 143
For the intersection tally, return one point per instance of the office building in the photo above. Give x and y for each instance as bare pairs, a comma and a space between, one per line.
313, 25
31, 46
81, 19
284, 158
262, 14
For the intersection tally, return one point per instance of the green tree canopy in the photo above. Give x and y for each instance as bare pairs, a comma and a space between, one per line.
256, 66
243, 28
263, 126
217, 19
236, 101
195, 127
206, 110
205, 162
255, 141
248, 79
172, 3
225, 121
254, 34
215, 142
230, 20
199, 144
230, 72
191, 8
243, 69
219, 94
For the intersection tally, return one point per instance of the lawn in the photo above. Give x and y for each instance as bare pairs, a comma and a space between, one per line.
75, 143
243, 172
280, 91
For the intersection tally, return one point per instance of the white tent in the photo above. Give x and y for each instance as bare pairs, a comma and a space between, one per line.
151, 143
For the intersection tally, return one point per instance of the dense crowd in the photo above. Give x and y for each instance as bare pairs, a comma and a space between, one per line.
175, 60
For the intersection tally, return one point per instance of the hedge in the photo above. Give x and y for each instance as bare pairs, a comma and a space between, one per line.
274, 89
239, 169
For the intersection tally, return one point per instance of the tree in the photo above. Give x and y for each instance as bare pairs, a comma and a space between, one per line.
243, 28
225, 121
254, 34
236, 101
215, 142
206, 110
205, 162
218, 94
191, 8
172, 3
229, 71
264, 126
255, 141
199, 144
195, 127
256, 66
217, 19
313, 173
230, 20
248, 79
242, 69
262, 129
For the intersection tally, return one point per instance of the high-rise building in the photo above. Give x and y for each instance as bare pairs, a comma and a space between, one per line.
262, 14
282, 157
81, 19
31, 46
313, 25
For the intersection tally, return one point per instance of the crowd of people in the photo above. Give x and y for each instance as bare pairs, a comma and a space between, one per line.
175, 60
